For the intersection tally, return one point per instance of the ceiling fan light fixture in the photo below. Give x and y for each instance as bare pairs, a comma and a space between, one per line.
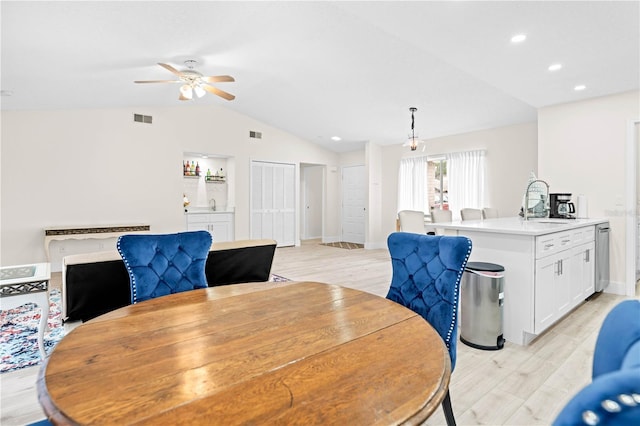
186, 91
200, 92
192, 81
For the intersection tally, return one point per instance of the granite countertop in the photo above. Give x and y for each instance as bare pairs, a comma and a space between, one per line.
516, 225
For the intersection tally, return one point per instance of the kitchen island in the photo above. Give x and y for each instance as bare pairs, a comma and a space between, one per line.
549, 266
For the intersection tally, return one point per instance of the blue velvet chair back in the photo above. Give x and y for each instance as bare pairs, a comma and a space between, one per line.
159, 265
427, 270
613, 396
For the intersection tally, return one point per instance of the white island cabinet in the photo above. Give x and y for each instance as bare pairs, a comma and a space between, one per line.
219, 223
549, 267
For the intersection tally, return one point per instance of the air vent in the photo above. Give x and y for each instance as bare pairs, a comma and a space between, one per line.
255, 135
142, 118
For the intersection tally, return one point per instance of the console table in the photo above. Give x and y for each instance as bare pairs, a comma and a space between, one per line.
22, 284
88, 232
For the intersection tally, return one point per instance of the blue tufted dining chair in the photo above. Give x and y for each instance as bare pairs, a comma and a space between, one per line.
427, 270
613, 396
159, 265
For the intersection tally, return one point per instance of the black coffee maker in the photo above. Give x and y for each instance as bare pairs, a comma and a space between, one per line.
561, 206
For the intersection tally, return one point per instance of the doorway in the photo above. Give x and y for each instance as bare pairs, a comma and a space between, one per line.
353, 204
312, 200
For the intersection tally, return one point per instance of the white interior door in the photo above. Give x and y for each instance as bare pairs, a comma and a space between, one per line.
273, 202
312, 203
353, 204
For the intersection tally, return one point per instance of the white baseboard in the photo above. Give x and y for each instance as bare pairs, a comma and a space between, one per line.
616, 287
375, 245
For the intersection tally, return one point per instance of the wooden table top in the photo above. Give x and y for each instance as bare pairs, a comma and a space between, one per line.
260, 353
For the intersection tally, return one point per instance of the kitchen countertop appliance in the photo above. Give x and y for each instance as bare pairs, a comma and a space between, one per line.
561, 206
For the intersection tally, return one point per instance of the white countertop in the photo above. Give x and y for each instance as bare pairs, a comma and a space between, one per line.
516, 225
202, 210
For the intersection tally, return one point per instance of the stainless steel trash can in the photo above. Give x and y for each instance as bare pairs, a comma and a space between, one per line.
482, 306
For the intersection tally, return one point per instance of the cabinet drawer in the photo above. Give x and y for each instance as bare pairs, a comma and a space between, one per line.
565, 239
588, 234
220, 217
199, 218
546, 245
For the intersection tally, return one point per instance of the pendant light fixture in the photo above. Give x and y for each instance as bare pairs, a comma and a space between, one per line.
413, 142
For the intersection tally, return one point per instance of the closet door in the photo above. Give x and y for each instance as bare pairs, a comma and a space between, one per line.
273, 202
353, 204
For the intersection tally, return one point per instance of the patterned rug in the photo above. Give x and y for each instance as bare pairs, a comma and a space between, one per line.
278, 278
19, 333
342, 244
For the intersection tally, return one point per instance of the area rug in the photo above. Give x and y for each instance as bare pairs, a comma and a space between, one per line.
278, 278
342, 244
19, 333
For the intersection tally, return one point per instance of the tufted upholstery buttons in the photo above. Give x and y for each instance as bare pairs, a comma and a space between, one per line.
627, 400
164, 264
590, 418
611, 406
426, 278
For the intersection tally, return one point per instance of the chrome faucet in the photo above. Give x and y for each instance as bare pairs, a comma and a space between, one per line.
212, 204
526, 199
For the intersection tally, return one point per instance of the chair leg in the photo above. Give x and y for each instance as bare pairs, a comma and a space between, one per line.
448, 411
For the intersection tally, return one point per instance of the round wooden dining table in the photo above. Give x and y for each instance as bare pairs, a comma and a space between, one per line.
257, 353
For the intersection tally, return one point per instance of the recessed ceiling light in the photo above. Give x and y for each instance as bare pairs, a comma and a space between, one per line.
518, 38
555, 67
579, 87
336, 138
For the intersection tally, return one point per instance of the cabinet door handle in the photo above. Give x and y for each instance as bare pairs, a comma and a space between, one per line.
560, 267
586, 256
548, 246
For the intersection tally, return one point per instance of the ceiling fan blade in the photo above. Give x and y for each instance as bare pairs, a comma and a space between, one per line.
216, 91
218, 78
170, 68
157, 81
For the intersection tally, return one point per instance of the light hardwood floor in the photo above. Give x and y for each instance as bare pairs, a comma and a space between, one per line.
513, 386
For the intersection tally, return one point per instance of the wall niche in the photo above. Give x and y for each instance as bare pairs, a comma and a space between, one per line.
207, 181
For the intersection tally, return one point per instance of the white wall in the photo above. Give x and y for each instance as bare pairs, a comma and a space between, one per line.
511, 154
581, 149
98, 167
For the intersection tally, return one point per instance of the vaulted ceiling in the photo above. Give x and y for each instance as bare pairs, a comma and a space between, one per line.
323, 69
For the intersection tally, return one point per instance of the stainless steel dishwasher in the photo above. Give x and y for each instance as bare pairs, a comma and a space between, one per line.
602, 257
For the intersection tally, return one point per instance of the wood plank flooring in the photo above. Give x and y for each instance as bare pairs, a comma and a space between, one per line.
513, 386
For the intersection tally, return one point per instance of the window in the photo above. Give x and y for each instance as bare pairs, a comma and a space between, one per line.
449, 182
437, 184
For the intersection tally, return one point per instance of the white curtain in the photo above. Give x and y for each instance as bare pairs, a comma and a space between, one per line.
412, 184
466, 173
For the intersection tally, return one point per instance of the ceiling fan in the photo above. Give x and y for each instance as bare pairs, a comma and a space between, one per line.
194, 82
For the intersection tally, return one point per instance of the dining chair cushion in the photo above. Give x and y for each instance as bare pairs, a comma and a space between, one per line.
471, 214
613, 396
427, 270
438, 215
411, 221
619, 332
159, 265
